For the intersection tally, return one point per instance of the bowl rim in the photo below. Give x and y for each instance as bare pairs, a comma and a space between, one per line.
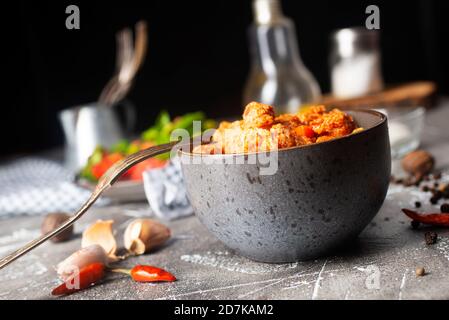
382, 119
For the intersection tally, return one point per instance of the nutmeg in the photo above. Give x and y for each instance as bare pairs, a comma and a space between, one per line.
418, 163
143, 235
54, 220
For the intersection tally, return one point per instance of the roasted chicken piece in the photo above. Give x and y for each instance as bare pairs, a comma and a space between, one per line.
258, 115
261, 130
334, 123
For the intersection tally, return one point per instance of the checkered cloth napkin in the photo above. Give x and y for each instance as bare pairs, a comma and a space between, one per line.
166, 192
32, 186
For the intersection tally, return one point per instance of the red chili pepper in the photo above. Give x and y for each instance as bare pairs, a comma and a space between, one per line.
436, 219
150, 274
142, 273
88, 276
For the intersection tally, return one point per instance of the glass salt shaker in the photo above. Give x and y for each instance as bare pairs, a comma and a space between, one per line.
355, 62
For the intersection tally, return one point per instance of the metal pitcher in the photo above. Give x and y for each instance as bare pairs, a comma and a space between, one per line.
87, 126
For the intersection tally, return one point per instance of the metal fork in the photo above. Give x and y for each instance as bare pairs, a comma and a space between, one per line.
105, 182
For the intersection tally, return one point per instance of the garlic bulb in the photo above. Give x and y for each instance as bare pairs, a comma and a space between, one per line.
100, 233
142, 235
81, 259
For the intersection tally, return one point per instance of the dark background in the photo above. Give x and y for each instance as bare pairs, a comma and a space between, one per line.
197, 59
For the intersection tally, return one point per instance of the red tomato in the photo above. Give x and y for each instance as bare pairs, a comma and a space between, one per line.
100, 168
135, 173
146, 145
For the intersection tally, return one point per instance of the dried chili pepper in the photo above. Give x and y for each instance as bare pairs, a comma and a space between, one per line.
436, 219
141, 273
87, 276
150, 274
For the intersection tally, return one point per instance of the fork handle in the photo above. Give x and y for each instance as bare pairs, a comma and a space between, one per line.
105, 182
38, 241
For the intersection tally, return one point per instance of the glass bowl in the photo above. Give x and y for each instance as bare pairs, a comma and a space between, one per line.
405, 125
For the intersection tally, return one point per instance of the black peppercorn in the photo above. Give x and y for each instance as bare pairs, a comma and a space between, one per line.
417, 204
431, 238
437, 195
415, 224
445, 208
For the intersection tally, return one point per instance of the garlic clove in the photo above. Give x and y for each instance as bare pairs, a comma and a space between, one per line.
100, 233
143, 235
137, 247
81, 259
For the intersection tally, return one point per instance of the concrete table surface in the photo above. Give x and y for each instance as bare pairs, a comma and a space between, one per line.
380, 264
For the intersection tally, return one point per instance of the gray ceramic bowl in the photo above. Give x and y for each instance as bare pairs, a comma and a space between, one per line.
321, 196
